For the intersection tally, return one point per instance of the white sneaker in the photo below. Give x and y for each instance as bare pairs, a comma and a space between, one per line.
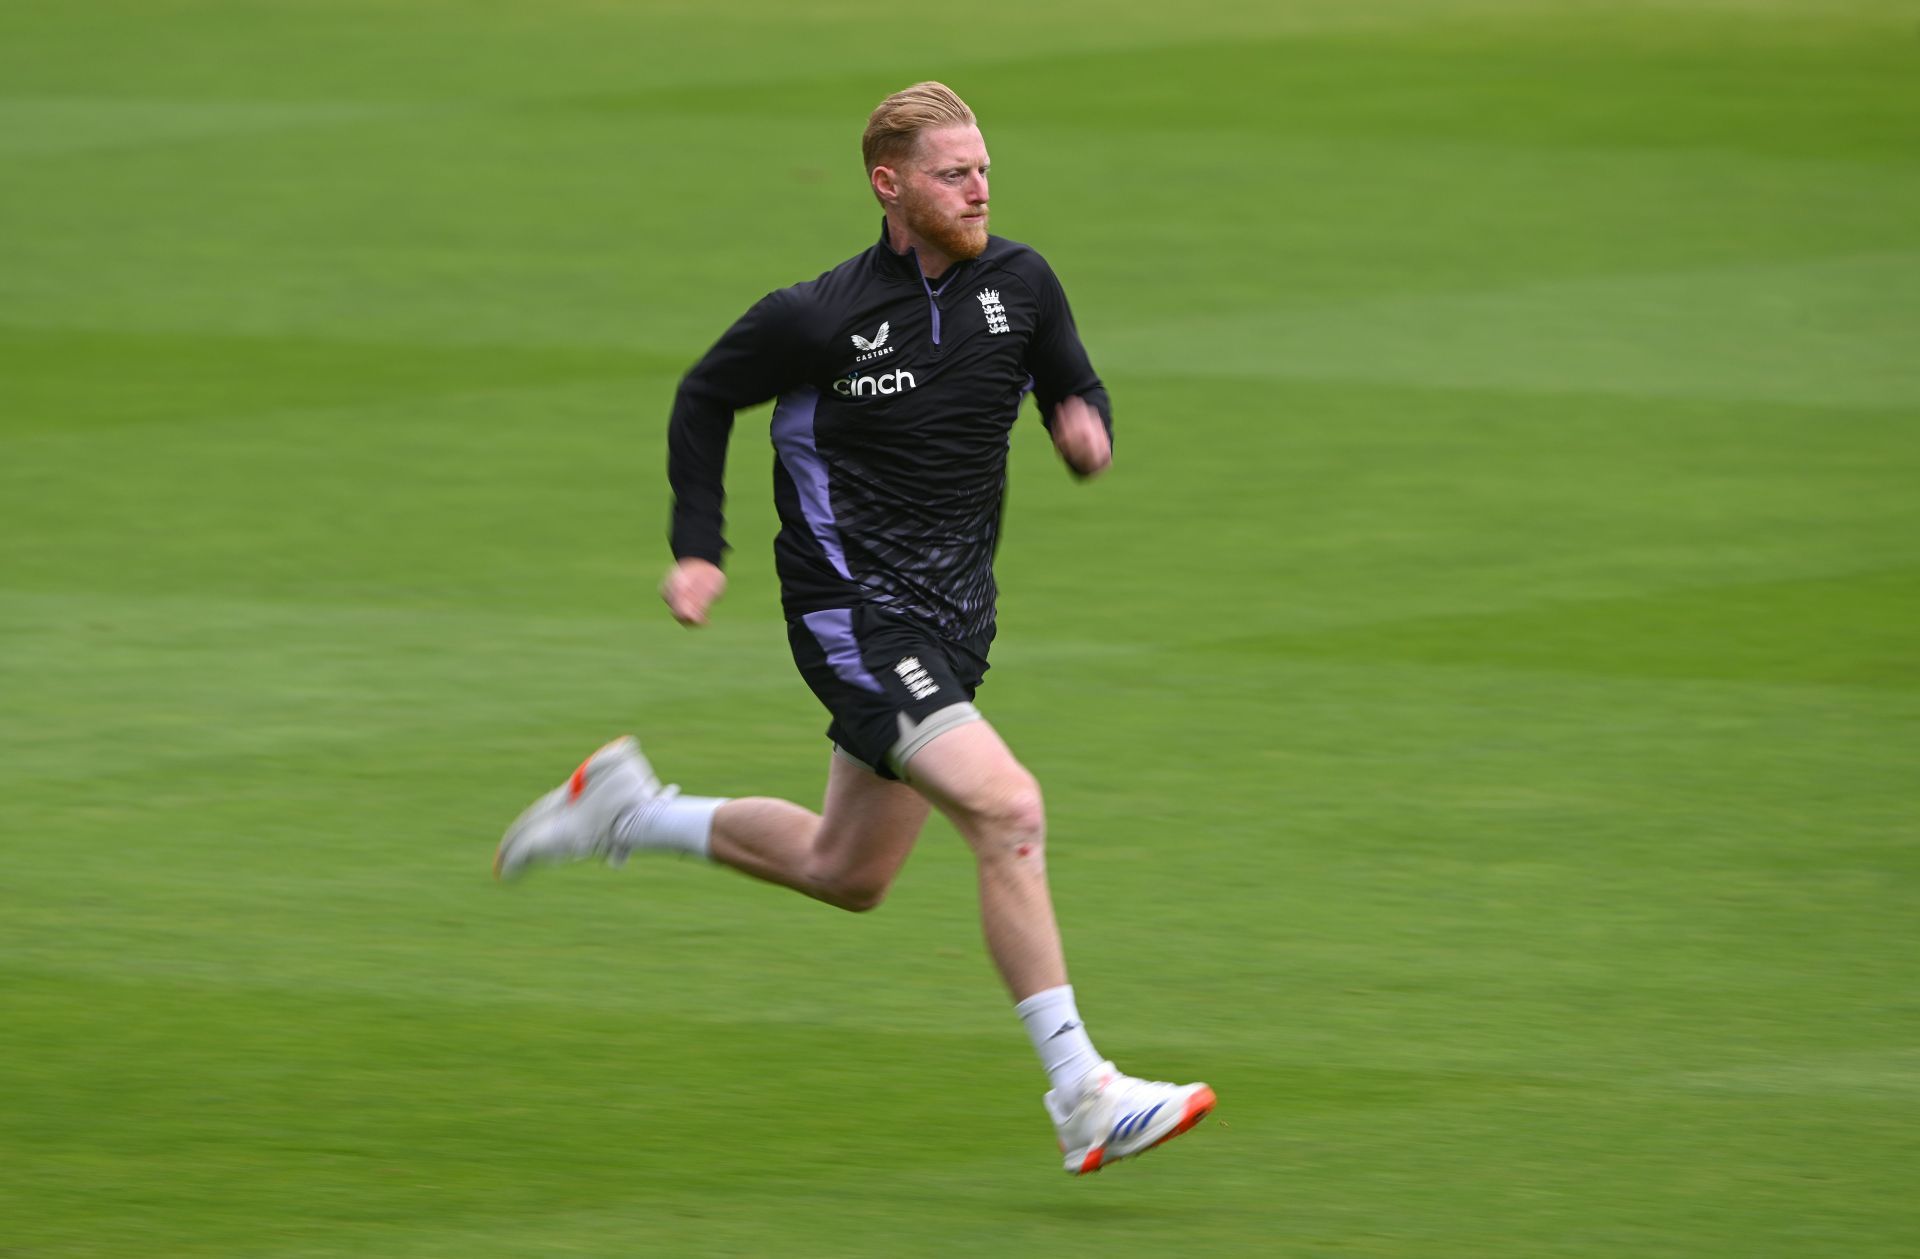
575, 820
1115, 1116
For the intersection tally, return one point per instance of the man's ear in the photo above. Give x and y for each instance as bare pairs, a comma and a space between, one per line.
886, 184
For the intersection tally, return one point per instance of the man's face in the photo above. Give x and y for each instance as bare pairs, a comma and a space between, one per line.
943, 191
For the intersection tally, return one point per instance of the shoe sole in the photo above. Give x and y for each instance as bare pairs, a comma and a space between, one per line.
1198, 1107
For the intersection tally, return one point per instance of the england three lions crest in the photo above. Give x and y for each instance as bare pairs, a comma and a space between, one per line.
995, 312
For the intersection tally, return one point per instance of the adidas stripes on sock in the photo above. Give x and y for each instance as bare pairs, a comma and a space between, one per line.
1053, 1024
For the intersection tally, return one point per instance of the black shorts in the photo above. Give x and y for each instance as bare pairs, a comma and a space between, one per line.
889, 681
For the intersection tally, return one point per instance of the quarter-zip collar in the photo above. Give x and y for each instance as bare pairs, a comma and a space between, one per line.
908, 263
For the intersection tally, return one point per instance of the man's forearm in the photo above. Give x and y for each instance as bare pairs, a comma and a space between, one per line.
696, 468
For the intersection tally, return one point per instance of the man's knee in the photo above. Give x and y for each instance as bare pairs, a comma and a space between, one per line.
1011, 821
856, 889
854, 894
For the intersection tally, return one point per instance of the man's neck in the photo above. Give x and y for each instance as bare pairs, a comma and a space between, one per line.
933, 263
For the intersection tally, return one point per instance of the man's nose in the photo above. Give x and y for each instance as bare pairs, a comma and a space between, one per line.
977, 190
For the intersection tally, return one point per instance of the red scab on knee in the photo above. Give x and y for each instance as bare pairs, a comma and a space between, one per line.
1024, 850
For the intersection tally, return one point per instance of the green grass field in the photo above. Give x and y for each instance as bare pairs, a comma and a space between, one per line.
1480, 714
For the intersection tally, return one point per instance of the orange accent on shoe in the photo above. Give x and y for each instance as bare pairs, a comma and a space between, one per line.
1199, 1106
577, 783
1092, 1162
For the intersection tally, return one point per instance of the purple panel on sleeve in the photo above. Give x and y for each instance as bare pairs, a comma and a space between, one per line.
792, 429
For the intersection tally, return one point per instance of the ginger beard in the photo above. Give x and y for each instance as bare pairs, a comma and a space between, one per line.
958, 239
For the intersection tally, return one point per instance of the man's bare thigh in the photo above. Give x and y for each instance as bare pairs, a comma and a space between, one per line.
867, 822
969, 770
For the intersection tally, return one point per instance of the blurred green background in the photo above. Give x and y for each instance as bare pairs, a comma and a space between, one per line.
1479, 712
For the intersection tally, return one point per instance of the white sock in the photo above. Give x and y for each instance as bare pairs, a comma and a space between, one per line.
673, 824
1053, 1024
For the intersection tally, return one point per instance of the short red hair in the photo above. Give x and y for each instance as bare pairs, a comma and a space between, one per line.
895, 125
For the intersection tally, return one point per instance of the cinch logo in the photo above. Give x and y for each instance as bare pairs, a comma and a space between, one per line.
889, 383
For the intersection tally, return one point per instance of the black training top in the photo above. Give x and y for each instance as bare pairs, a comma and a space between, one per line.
895, 398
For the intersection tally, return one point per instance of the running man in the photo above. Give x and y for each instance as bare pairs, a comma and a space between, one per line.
896, 378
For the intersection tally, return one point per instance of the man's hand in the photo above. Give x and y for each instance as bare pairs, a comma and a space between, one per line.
1081, 438
691, 588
